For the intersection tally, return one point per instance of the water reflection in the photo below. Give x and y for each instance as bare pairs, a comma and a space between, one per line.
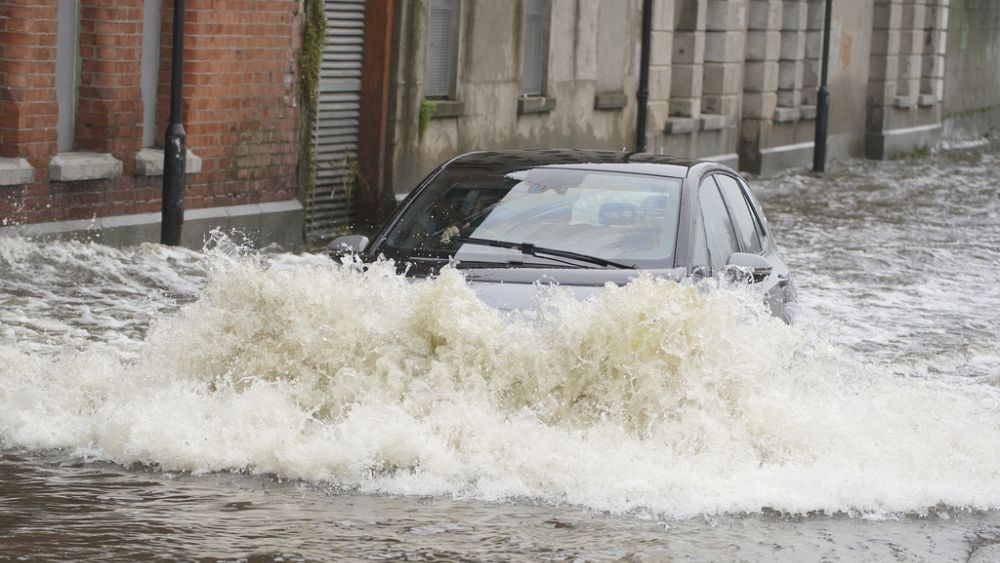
54, 508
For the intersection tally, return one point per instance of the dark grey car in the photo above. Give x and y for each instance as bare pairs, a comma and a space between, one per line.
579, 219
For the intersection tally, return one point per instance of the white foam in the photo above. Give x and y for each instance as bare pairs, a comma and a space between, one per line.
654, 397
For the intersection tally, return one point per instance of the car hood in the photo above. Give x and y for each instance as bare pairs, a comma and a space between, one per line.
510, 289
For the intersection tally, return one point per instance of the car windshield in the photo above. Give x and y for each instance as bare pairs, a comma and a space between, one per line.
627, 218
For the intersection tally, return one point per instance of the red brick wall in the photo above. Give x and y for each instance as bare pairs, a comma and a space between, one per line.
241, 110
28, 111
241, 103
109, 109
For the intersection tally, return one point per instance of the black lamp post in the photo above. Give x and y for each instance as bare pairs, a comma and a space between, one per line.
823, 97
174, 149
642, 96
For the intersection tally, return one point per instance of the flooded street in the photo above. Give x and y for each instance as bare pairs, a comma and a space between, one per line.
164, 404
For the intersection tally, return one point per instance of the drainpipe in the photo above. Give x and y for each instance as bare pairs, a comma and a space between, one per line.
823, 97
642, 95
174, 149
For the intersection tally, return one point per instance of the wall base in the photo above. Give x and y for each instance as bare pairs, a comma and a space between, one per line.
972, 125
896, 142
263, 223
776, 159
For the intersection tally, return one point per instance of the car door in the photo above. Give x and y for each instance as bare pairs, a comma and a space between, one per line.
752, 237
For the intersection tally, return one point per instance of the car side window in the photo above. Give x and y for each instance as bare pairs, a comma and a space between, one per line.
699, 248
746, 228
718, 226
754, 206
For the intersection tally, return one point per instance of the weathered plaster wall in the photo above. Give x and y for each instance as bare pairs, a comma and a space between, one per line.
972, 69
489, 86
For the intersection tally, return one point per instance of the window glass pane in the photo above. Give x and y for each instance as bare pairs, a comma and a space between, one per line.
536, 46
699, 249
150, 71
441, 47
718, 227
67, 71
758, 222
741, 213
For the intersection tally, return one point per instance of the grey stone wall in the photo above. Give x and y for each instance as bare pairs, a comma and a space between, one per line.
731, 80
906, 81
972, 69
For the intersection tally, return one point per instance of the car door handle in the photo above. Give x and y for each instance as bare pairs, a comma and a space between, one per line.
783, 280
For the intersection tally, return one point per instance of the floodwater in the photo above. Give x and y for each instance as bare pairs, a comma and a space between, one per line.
163, 404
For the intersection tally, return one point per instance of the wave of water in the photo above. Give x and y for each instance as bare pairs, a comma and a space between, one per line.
657, 398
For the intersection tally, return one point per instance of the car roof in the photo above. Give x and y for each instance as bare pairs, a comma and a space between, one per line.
509, 160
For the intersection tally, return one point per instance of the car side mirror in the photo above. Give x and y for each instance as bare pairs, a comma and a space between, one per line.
749, 267
348, 244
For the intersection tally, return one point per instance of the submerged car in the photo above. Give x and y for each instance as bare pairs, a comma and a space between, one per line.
581, 219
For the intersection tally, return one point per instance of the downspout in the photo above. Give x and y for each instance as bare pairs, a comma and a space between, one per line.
643, 94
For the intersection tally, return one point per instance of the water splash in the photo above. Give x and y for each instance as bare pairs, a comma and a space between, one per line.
657, 397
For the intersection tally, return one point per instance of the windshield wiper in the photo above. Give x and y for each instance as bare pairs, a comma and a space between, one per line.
540, 251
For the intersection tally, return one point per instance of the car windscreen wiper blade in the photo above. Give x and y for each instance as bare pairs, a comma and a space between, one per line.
540, 251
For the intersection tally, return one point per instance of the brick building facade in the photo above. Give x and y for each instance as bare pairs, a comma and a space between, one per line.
84, 97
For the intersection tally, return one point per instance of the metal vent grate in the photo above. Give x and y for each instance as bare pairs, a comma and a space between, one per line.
336, 129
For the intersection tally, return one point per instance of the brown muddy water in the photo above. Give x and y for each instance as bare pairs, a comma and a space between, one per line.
163, 404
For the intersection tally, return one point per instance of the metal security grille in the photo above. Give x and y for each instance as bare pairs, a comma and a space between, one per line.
335, 133
536, 46
440, 48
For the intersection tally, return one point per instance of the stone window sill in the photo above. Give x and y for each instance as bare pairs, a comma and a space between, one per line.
535, 104
680, 125
447, 108
149, 162
926, 100
612, 101
15, 172
713, 121
786, 115
80, 166
792, 115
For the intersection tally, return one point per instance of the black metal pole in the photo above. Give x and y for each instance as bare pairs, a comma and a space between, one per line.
174, 149
823, 97
642, 96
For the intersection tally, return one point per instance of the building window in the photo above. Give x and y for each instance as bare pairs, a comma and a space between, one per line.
442, 48
535, 47
67, 71
612, 46
150, 69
